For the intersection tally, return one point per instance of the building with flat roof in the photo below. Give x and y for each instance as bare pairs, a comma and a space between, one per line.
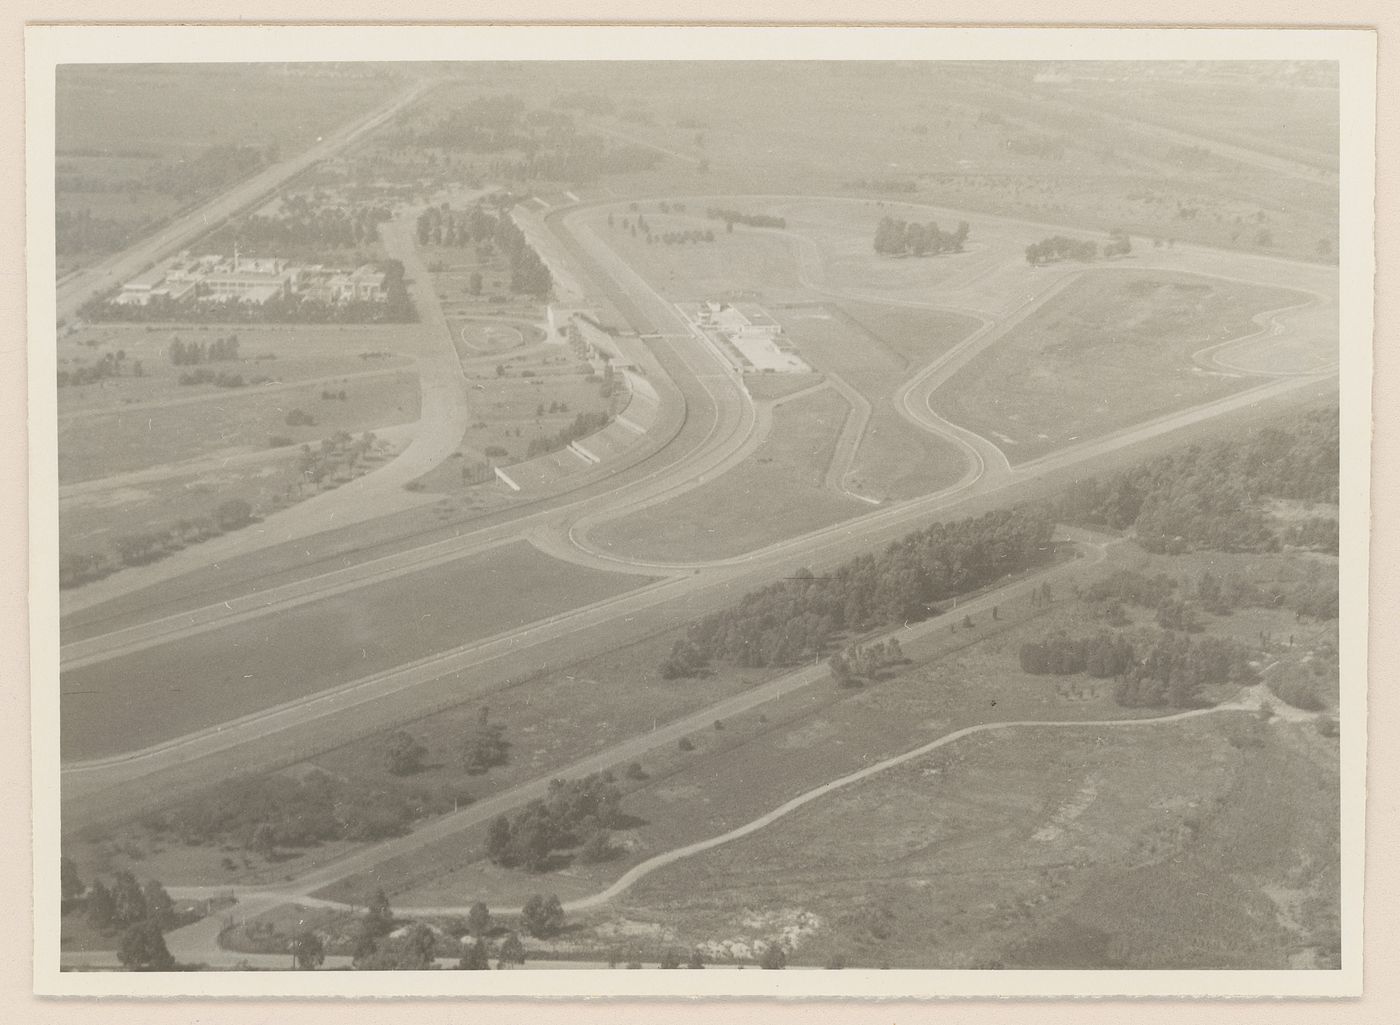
213, 278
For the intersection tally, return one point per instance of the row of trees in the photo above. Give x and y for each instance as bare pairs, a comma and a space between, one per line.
582, 425
223, 349
733, 217
1211, 495
894, 237
1058, 247
575, 813
801, 617
141, 547
302, 227
478, 226
111, 364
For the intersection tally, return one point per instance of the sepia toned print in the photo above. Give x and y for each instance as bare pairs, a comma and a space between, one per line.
730, 515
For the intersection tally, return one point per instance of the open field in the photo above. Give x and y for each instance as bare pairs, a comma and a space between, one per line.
775, 493
171, 690
280, 353
1114, 348
894, 459
245, 419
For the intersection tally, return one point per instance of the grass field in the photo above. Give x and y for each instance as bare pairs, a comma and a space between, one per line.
244, 419
894, 458
775, 493
281, 353
1113, 349
170, 690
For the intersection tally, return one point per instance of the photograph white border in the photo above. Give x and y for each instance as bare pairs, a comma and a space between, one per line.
48, 46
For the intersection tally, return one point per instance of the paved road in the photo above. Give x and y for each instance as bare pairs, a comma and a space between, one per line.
90, 282
730, 448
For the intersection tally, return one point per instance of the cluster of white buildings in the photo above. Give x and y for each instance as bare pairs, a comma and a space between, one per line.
752, 340
251, 279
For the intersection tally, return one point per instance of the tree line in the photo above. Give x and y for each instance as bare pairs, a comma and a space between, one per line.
300, 227
802, 617
441, 225
1211, 495
220, 350
733, 217
894, 237
582, 425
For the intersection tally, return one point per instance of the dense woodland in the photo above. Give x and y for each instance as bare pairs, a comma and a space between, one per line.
1164, 668
1211, 495
802, 617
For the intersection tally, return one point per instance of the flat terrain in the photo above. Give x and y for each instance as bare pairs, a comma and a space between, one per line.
893, 459
121, 142
1113, 349
777, 492
171, 690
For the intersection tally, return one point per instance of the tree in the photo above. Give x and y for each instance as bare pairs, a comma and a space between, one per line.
101, 907
774, 957
128, 899
596, 848
405, 753
512, 951
670, 959
379, 917
479, 919
543, 916
697, 959
308, 951
419, 948
366, 945
498, 839
476, 956
143, 948
159, 907
69, 884
474, 283
485, 746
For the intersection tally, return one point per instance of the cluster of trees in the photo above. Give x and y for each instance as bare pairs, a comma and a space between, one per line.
575, 813
581, 426
864, 661
733, 217
1173, 670
1165, 669
219, 378
339, 454
1058, 247
894, 237
1101, 656
886, 185
300, 226
111, 364
1175, 601
147, 546
271, 811
801, 617
678, 238
477, 226
1210, 495
141, 912
220, 350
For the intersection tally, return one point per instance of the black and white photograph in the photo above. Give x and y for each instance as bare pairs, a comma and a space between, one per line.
885, 508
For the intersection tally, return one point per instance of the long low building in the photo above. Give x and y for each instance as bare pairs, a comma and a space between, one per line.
238, 278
